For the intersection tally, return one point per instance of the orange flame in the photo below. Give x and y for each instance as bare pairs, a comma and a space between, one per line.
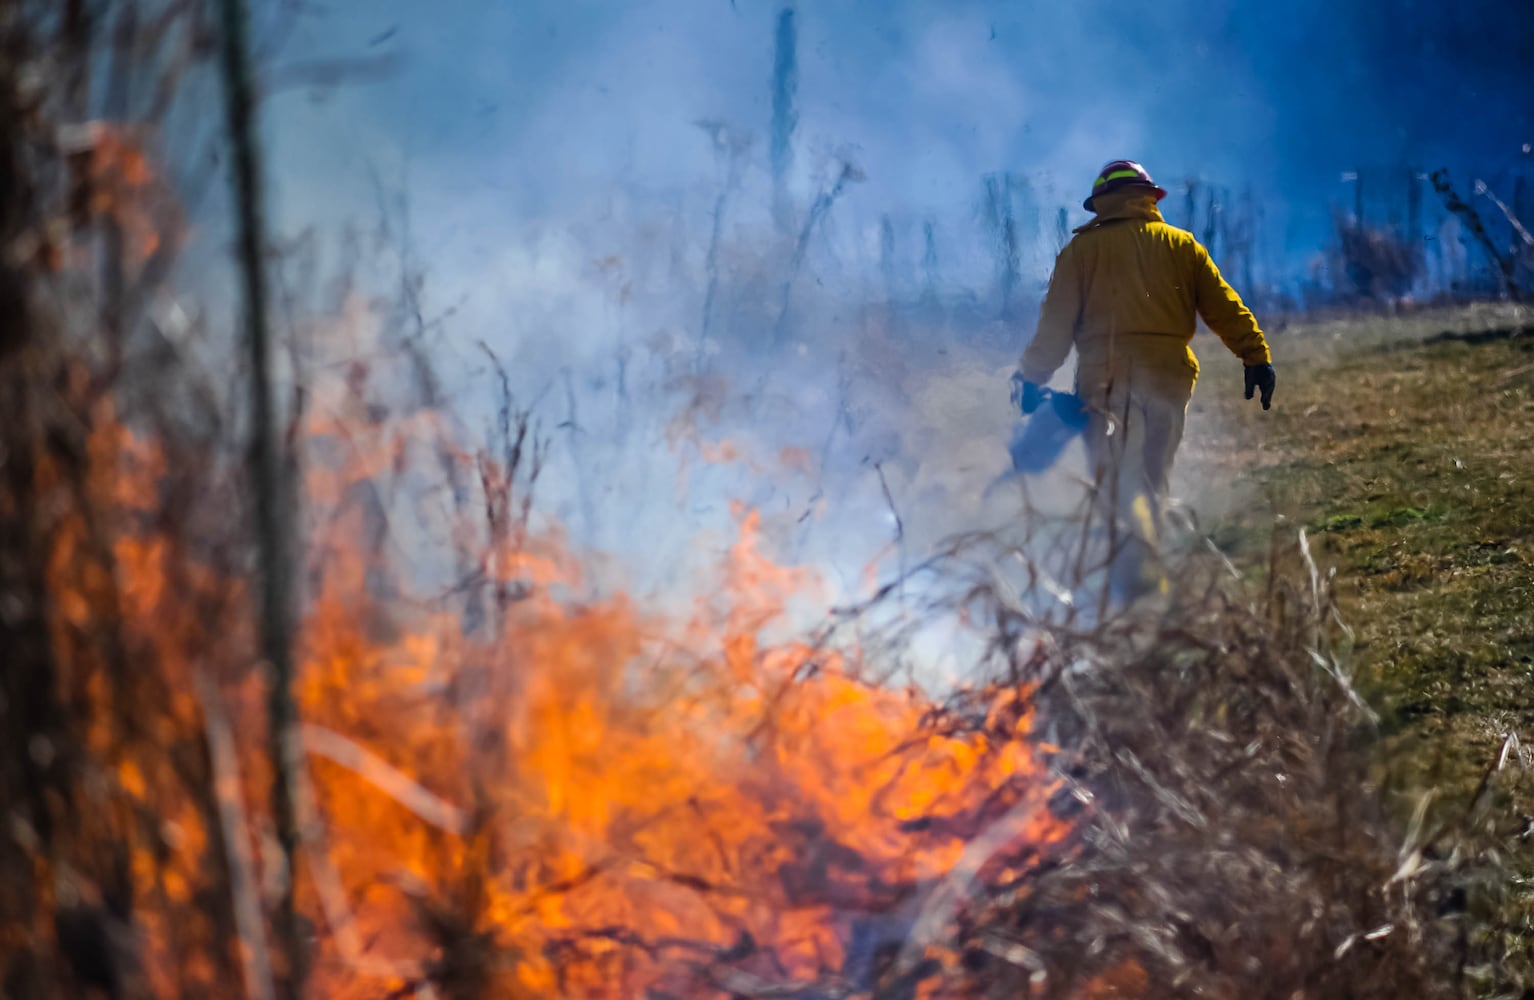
576, 799
115, 180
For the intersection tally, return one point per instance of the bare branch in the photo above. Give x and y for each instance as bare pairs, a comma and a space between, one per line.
396, 784
234, 828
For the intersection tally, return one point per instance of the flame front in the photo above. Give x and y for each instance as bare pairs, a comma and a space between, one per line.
561, 797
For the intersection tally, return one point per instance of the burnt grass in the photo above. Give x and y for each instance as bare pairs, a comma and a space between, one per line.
1403, 448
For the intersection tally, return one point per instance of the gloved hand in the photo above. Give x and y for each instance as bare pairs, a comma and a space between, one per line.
1026, 396
1261, 377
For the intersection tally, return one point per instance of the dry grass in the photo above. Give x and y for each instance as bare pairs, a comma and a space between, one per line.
1233, 834
1402, 445
1408, 459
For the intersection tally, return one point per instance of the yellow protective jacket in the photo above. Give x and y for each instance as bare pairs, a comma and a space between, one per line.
1125, 292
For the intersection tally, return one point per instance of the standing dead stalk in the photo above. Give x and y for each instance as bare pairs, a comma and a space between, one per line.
266, 474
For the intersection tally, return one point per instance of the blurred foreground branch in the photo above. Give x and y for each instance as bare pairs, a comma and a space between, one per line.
267, 479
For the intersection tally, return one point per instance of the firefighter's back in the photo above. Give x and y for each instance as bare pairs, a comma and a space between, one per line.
1137, 277
1138, 304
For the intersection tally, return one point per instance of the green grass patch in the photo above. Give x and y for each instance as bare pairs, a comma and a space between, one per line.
1387, 516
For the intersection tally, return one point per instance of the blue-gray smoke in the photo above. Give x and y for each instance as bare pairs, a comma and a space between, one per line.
825, 226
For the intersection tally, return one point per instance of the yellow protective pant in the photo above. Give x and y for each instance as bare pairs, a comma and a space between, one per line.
1131, 440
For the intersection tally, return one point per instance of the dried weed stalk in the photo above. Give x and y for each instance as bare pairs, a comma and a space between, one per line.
1233, 834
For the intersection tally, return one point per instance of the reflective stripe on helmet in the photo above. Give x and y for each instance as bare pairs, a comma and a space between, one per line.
1118, 175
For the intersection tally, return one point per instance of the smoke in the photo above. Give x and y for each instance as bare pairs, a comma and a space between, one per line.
735, 251
527, 109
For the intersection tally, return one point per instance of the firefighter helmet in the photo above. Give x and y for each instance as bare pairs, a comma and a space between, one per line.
1122, 174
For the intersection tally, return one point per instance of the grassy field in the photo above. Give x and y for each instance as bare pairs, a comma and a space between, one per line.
1403, 447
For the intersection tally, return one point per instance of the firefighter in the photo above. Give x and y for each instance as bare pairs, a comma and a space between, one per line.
1125, 293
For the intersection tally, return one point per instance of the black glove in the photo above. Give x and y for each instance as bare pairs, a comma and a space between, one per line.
1026, 396
1261, 377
